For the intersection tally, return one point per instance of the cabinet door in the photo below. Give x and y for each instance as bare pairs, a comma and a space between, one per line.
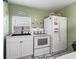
12, 48
21, 21
27, 46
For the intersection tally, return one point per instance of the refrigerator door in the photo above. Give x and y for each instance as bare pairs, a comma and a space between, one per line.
55, 36
59, 34
47, 26
63, 33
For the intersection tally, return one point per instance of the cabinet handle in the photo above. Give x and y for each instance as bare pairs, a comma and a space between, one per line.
21, 41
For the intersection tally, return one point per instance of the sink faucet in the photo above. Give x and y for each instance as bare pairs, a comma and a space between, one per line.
22, 30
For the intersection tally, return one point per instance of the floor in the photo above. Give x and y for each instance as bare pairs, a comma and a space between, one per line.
47, 56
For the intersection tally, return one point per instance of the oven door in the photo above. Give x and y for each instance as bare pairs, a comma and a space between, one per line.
40, 42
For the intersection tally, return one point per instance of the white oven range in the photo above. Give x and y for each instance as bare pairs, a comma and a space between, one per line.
41, 44
41, 41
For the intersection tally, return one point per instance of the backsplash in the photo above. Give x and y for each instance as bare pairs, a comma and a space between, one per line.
21, 29
38, 31
37, 23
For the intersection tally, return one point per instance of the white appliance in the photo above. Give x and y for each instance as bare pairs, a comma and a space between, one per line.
41, 44
56, 27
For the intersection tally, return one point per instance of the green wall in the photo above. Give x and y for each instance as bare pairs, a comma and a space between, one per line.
70, 13
18, 10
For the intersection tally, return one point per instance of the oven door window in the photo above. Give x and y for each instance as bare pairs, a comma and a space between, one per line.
42, 41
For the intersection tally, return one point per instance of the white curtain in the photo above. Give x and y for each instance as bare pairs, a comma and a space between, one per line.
6, 19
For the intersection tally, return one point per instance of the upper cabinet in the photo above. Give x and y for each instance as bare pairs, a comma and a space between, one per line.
21, 24
21, 21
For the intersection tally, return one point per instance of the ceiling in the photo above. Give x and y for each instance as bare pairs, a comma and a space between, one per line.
43, 4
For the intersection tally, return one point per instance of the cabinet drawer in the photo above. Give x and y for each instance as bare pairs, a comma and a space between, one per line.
42, 51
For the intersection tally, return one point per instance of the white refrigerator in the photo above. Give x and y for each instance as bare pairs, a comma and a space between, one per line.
56, 27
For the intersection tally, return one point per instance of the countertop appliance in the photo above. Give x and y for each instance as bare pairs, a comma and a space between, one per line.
56, 27
41, 44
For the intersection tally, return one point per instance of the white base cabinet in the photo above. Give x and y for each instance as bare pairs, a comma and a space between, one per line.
19, 46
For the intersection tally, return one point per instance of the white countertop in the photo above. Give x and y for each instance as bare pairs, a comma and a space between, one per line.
42, 35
